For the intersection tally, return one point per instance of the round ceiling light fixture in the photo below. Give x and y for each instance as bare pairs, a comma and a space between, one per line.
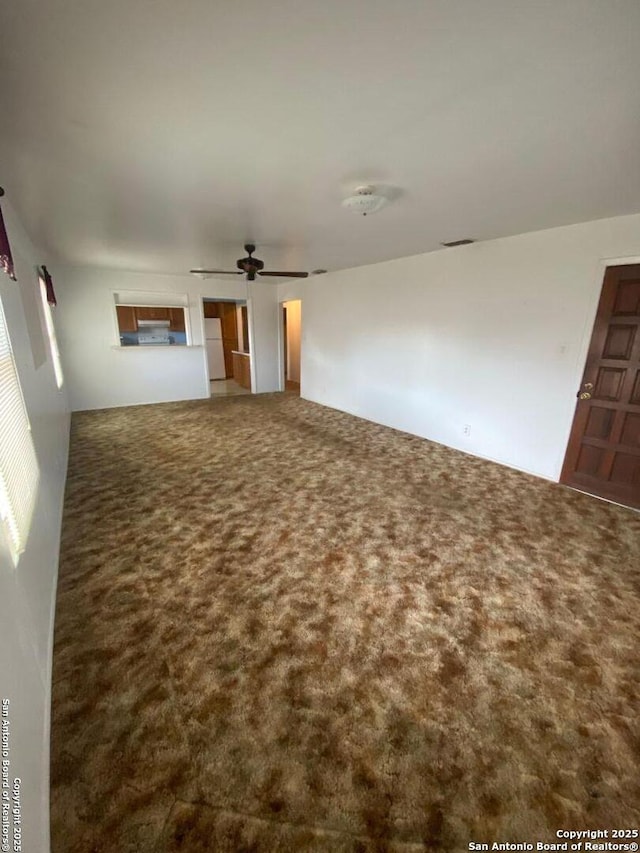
364, 200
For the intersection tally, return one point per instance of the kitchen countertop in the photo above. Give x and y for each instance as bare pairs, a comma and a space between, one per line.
156, 346
238, 352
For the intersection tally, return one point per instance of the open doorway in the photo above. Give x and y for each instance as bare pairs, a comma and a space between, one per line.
291, 342
226, 339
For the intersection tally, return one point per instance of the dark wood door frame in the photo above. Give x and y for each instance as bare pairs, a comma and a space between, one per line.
603, 453
225, 311
285, 342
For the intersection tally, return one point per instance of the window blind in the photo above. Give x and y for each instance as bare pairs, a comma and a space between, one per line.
18, 464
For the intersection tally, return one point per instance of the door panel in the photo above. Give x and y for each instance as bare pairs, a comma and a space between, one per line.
631, 430
609, 383
627, 299
626, 469
599, 423
619, 343
603, 455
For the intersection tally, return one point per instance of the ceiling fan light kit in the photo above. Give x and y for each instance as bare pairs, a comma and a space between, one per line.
365, 200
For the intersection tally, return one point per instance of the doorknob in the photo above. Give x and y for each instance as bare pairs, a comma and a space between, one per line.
588, 386
585, 395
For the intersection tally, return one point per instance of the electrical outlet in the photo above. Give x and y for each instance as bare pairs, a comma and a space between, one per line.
466, 429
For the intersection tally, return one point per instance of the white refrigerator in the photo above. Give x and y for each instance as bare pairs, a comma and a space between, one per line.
215, 351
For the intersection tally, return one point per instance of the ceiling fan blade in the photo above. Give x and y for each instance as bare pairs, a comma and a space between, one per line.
286, 274
219, 272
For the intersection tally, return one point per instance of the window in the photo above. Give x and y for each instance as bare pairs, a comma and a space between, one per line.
144, 325
51, 334
18, 464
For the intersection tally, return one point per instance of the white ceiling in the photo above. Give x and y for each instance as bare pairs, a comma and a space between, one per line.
160, 135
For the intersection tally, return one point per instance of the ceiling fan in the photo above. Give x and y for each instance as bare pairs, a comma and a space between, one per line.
250, 266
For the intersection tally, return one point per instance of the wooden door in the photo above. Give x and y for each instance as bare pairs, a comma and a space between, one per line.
229, 323
285, 344
603, 455
245, 328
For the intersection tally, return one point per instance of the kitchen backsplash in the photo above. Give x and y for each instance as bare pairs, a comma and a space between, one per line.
130, 339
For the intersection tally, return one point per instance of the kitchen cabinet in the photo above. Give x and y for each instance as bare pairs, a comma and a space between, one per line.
152, 312
126, 318
129, 315
242, 369
176, 320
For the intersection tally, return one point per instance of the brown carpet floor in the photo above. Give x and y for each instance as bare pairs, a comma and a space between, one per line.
283, 628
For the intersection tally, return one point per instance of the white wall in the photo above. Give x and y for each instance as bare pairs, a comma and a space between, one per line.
294, 319
27, 598
102, 375
493, 335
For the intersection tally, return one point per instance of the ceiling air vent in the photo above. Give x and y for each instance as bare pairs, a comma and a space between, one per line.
464, 242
